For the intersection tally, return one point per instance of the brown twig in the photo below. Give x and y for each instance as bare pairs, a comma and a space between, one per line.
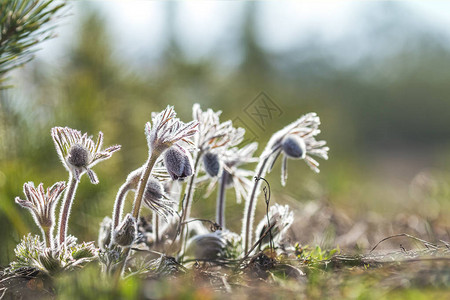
256, 244
427, 244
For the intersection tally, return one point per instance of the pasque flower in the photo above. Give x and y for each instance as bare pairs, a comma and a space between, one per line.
212, 139
159, 172
210, 246
163, 132
166, 131
296, 141
42, 205
231, 175
165, 135
79, 153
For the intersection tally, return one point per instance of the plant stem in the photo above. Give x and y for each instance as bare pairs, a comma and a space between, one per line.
118, 208
47, 234
190, 187
138, 202
221, 199
143, 183
118, 204
250, 204
155, 221
65, 209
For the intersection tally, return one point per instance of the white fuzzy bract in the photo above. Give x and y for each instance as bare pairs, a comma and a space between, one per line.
211, 133
41, 204
167, 130
282, 217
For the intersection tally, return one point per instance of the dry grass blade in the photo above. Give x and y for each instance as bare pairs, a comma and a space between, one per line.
426, 244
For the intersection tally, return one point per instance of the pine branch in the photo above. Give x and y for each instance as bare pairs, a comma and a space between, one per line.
23, 25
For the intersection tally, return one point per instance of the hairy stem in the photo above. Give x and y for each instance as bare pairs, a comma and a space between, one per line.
138, 202
118, 207
143, 182
48, 238
118, 204
250, 204
190, 189
221, 197
189, 193
155, 221
65, 209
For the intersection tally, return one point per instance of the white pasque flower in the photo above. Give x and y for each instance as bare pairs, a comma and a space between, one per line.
297, 141
79, 153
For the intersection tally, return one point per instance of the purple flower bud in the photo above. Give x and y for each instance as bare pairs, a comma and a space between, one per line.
211, 164
178, 162
126, 232
294, 146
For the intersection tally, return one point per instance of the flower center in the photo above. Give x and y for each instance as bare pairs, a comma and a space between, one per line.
78, 156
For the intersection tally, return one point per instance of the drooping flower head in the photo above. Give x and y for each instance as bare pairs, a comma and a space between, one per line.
211, 133
178, 162
236, 177
42, 203
79, 153
156, 199
168, 130
211, 164
297, 141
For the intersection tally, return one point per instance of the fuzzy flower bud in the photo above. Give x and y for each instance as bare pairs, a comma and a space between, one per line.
294, 146
126, 232
211, 163
42, 205
178, 162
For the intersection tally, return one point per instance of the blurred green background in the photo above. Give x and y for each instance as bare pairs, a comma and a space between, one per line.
380, 87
